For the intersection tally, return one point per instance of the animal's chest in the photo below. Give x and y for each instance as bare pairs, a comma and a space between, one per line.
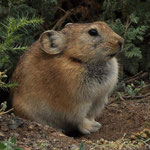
97, 72
99, 80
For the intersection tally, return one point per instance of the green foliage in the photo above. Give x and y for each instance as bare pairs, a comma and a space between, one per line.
3, 81
12, 44
46, 8
132, 22
42, 146
10, 144
19, 28
82, 146
132, 89
16, 30
12, 41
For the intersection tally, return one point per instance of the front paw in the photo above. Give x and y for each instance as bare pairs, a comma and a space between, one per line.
88, 126
97, 124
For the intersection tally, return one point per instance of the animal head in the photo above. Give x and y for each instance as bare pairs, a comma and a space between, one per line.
83, 42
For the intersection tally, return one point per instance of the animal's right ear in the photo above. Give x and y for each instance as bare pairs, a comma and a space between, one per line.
51, 42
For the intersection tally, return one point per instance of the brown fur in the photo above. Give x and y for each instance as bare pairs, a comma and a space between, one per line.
53, 83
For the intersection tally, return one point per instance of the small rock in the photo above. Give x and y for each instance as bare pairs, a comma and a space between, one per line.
15, 123
147, 147
58, 134
1, 134
15, 135
30, 127
75, 147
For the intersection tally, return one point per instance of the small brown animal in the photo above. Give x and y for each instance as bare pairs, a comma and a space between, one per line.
65, 77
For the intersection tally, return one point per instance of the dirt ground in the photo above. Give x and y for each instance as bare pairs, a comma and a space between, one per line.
121, 120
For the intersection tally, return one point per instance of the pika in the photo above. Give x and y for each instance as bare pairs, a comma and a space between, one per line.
65, 77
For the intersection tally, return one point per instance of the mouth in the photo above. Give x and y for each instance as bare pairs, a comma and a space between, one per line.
112, 55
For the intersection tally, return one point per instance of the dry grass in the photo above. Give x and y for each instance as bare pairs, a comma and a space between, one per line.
137, 141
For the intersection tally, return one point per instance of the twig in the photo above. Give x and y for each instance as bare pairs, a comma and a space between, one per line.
120, 96
124, 98
128, 23
146, 86
139, 73
61, 9
5, 112
138, 76
62, 20
136, 97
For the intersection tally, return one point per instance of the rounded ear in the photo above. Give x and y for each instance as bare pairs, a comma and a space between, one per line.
51, 42
68, 24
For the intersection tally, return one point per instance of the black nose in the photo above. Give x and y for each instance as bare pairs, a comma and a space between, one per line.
120, 45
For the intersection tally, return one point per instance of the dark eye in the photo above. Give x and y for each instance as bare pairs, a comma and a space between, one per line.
93, 32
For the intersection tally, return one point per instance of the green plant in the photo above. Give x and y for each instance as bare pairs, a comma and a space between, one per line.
12, 32
3, 108
10, 144
46, 8
132, 22
42, 146
19, 28
81, 146
3, 84
14, 8
133, 89
12, 44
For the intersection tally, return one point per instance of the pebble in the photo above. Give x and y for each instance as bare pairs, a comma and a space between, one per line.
74, 147
1, 134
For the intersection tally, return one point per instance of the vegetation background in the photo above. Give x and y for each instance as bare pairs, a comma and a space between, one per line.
22, 21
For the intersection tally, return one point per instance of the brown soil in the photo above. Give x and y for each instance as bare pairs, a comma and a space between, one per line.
119, 119
123, 118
